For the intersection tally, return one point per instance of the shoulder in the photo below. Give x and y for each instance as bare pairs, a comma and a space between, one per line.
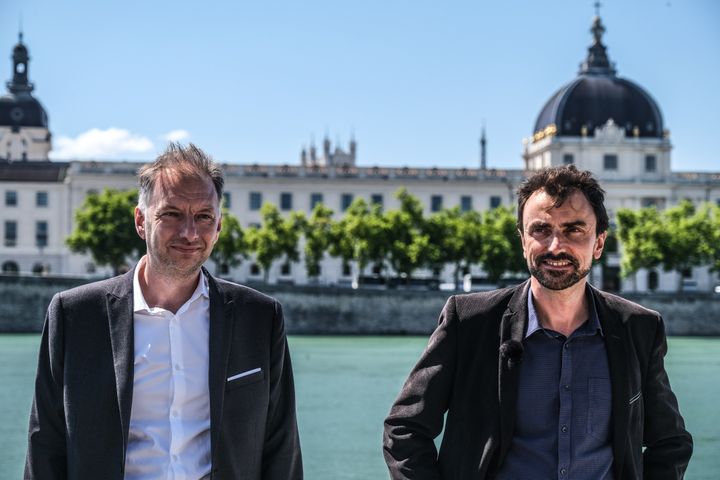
491, 303
245, 294
98, 290
624, 307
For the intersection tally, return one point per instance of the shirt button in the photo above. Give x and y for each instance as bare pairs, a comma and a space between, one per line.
174, 413
174, 458
177, 366
563, 429
567, 345
563, 471
566, 387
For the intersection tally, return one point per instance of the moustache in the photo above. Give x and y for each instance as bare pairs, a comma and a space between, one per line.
558, 257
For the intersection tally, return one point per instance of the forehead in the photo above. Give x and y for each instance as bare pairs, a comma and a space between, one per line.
540, 206
173, 187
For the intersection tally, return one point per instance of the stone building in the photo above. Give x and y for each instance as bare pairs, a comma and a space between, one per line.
598, 121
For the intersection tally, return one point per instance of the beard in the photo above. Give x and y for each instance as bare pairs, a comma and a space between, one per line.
555, 280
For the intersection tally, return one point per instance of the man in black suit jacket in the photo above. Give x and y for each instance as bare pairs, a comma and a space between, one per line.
548, 379
113, 398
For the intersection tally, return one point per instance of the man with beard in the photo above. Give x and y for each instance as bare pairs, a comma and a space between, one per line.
549, 379
166, 372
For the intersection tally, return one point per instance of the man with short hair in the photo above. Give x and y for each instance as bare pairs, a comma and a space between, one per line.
166, 372
549, 379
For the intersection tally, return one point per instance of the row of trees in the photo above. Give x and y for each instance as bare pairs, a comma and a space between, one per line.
398, 241
401, 241
676, 238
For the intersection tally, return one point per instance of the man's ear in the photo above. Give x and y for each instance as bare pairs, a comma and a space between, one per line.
599, 245
140, 222
522, 242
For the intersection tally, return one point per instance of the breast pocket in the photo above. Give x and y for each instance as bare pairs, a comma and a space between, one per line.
599, 407
245, 377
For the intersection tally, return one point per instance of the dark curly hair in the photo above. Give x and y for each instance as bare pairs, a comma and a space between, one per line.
560, 183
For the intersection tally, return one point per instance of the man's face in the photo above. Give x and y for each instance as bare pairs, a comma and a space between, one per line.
180, 224
560, 243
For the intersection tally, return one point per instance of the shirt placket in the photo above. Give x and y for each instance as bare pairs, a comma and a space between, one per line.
179, 390
565, 417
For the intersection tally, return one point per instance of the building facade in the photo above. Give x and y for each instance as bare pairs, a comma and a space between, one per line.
598, 121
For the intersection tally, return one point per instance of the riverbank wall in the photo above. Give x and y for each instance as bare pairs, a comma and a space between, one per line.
321, 310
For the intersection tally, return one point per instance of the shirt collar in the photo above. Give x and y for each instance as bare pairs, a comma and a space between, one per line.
587, 328
139, 303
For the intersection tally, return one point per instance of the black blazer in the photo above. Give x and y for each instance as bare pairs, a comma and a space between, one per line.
463, 373
83, 392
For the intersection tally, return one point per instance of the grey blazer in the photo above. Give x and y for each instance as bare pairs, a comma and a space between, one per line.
83, 391
463, 372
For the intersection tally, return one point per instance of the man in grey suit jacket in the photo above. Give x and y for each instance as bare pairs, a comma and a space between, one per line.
548, 379
166, 372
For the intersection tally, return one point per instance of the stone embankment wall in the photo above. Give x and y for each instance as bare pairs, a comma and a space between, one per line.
316, 310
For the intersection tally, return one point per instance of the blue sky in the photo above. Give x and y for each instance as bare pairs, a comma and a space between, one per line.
252, 82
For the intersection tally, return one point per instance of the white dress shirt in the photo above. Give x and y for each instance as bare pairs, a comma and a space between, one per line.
170, 417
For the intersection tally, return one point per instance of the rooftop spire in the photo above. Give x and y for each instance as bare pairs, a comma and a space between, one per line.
20, 57
597, 61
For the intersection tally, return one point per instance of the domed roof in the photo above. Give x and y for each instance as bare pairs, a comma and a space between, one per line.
18, 107
598, 95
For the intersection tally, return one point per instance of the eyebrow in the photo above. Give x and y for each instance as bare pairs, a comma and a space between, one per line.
576, 223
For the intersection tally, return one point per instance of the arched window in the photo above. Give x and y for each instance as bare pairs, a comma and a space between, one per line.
10, 267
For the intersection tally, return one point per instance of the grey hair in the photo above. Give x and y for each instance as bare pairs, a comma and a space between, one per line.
187, 161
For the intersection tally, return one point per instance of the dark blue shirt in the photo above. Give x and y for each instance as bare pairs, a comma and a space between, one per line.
562, 426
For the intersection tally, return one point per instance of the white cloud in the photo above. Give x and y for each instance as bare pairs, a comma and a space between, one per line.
114, 143
176, 135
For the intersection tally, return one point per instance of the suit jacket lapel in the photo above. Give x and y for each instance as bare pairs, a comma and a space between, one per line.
120, 321
615, 336
221, 324
512, 328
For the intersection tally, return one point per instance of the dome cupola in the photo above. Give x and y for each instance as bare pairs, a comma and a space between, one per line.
596, 96
18, 107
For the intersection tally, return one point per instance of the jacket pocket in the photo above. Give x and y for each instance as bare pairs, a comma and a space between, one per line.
244, 378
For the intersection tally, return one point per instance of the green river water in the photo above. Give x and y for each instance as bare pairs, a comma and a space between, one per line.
345, 386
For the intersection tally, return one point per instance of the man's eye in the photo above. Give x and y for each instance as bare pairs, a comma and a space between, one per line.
205, 217
169, 214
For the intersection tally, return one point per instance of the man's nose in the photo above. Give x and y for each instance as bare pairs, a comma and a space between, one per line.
189, 229
557, 242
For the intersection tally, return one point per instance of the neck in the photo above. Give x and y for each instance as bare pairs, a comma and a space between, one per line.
165, 291
560, 310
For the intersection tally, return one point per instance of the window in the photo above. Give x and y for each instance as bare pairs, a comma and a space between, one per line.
10, 233
285, 269
436, 203
227, 200
610, 162
345, 201
377, 199
254, 270
315, 198
568, 159
10, 267
495, 201
346, 270
650, 163
255, 200
41, 234
657, 202
611, 244
286, 201
465, 203
41, 199
10, 198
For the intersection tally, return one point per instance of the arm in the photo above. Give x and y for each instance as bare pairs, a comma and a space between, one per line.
668, 445
416, 418
281, 453
46, 455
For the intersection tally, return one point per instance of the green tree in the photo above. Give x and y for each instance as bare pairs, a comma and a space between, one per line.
678, 238
231, 247
714, 239
359, 236
409, 246
456, 239
318, 232
105, 228
276, 238
501, 247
